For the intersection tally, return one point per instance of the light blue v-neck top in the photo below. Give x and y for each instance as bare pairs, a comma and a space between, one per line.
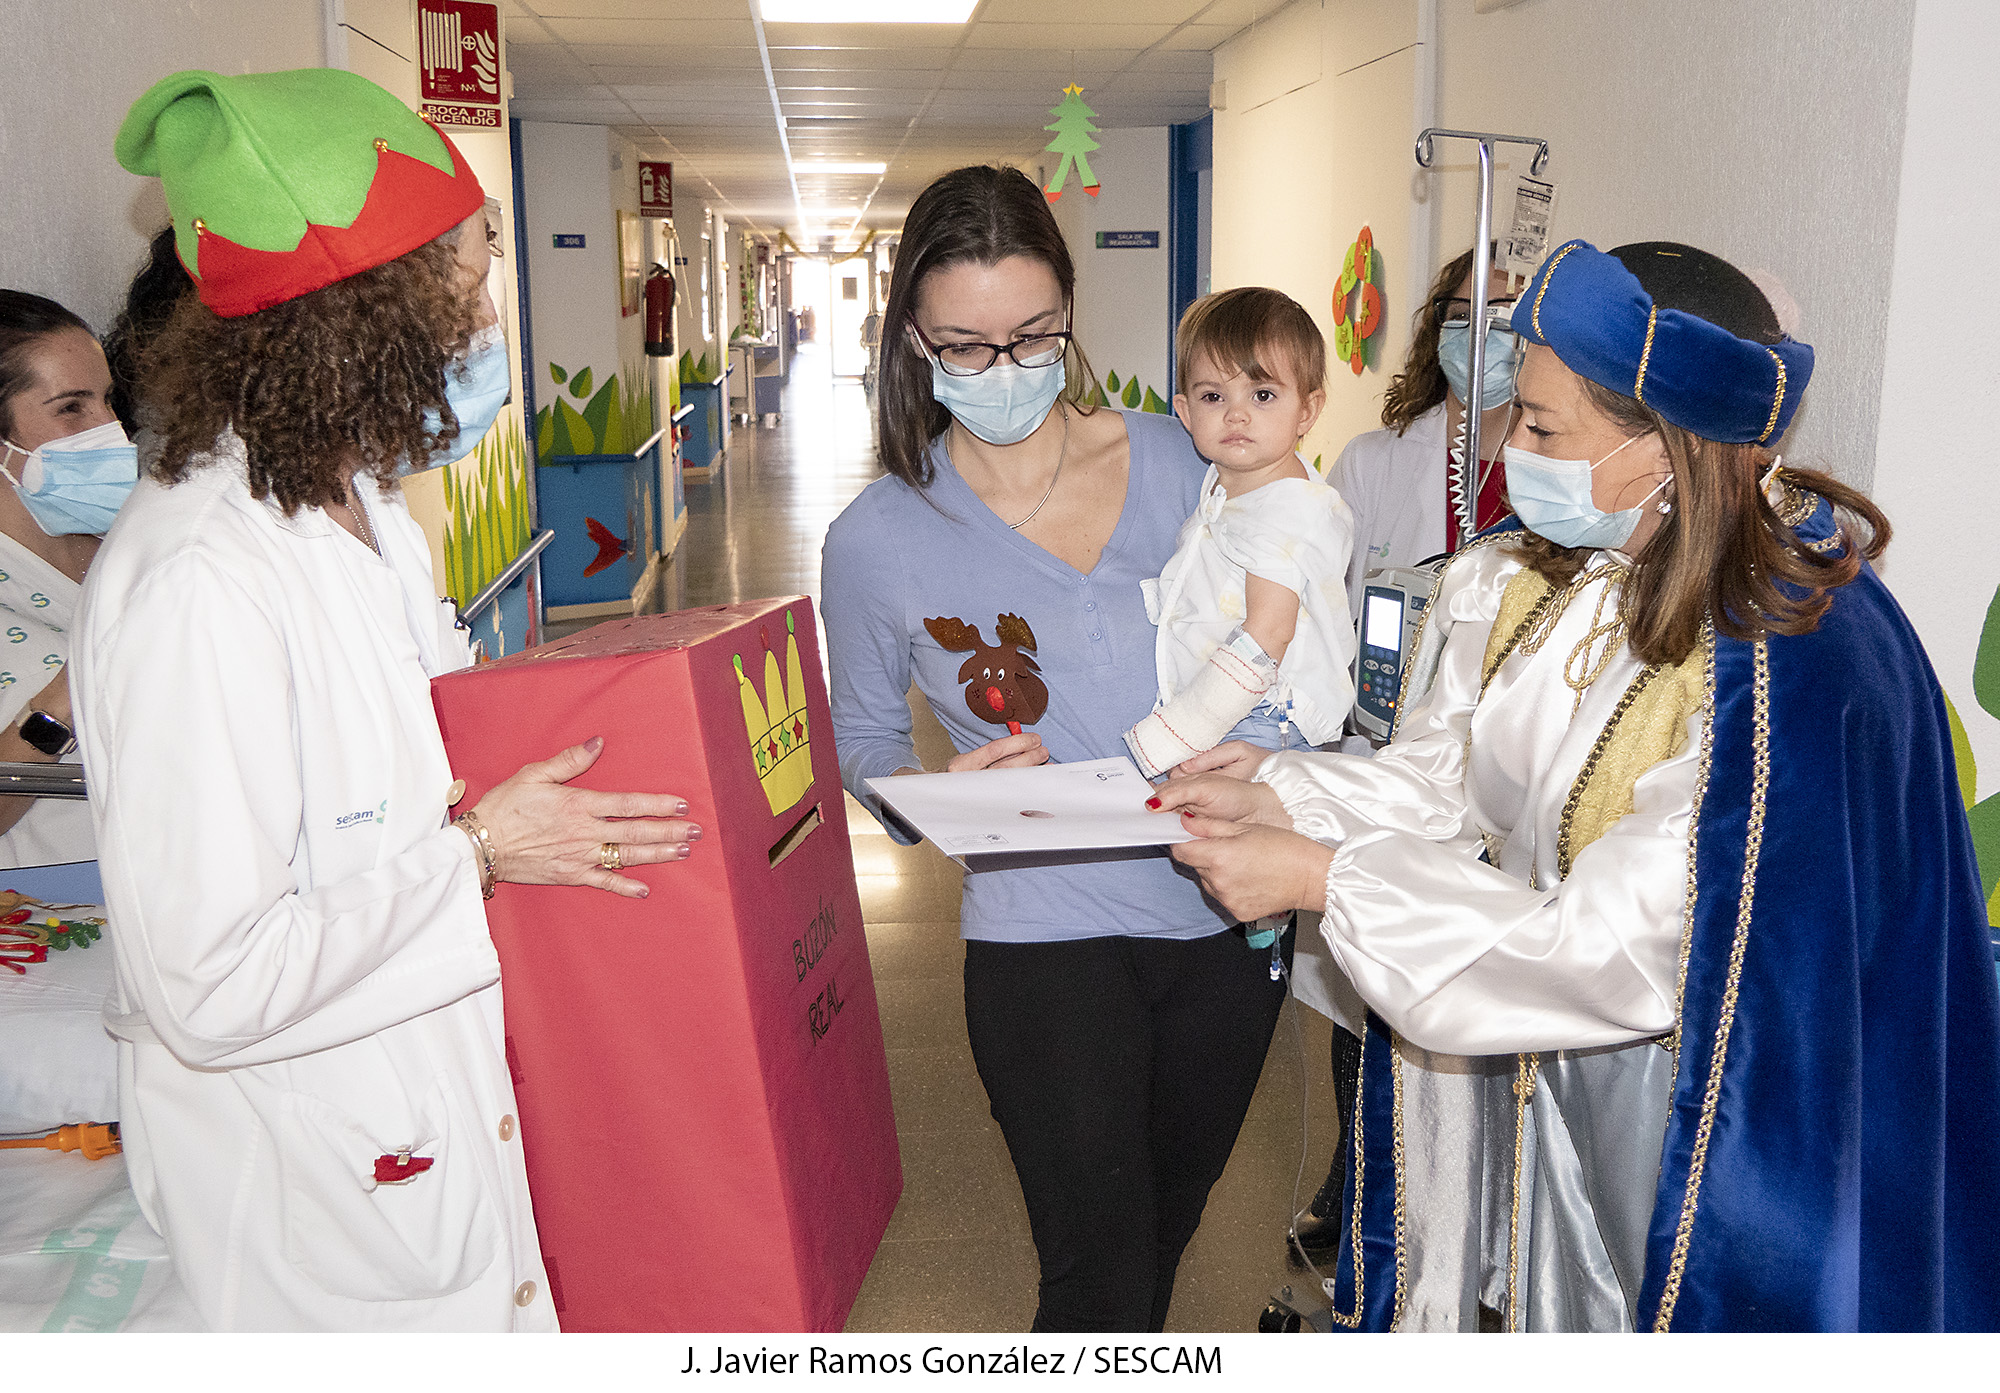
893, 560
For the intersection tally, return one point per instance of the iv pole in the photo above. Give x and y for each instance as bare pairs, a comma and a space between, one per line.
1482, 271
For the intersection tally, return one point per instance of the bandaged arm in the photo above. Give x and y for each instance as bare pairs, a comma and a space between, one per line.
1228, 687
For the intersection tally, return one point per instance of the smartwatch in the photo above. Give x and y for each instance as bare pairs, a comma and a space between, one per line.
47, 734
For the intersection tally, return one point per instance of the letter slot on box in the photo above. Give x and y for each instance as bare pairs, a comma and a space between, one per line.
703, 1094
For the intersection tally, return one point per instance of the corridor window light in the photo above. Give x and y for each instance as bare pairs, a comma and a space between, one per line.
837, 167
867, 11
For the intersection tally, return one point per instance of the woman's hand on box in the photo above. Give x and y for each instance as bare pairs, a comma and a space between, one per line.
546, 833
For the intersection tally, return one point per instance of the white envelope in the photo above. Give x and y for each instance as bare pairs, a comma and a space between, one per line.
1100, 803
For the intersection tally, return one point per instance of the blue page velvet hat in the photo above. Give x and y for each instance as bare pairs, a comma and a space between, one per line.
1592, 309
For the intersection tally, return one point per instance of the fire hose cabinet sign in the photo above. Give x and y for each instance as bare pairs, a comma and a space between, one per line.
703, 1094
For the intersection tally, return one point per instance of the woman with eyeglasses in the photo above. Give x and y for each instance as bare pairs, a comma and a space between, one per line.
1117, 1020
1402, 481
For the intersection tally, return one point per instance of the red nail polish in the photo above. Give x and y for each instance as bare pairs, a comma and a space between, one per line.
1153, 803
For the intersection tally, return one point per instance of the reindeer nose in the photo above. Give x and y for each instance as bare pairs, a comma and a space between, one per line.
994, 699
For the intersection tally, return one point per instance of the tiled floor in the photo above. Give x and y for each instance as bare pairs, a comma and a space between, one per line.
958, 1255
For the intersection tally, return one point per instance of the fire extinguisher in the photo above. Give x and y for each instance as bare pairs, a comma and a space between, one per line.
660, 312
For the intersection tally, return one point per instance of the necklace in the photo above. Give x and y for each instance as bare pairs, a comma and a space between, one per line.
359, 516
1017, 526
1586, 661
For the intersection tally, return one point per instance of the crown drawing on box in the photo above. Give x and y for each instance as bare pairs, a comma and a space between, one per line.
780, 742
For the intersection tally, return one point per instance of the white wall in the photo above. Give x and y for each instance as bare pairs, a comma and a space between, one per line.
1121, 314
1937, 470
1770, 134
573, 292
1313, 143
74, 224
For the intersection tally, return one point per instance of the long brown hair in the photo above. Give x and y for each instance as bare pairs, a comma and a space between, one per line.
1421, 385
984, 214
339, 377
1723, 551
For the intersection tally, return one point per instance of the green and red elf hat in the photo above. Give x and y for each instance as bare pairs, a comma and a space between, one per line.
282, 183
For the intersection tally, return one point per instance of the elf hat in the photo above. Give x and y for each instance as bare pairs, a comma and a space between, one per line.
282, 183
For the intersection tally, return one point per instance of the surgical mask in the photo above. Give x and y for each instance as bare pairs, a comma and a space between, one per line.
1003, 405
1552, 499
1502, 358
78, 483
476, 399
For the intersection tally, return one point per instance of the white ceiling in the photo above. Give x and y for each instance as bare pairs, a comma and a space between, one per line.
685, 79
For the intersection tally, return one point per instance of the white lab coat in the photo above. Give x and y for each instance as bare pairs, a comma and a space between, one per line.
305, 980
1395, 486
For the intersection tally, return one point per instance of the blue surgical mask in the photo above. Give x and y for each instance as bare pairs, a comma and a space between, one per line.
477, 388
1502, 359
1552, 499
75, 484
1003, 405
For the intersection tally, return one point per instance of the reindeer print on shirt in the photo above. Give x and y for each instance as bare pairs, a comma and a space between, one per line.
1001, 687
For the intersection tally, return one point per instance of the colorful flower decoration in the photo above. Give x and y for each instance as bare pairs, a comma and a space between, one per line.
1357, 303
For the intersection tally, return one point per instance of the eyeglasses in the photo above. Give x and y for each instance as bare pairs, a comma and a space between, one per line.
1457, 309
971, 359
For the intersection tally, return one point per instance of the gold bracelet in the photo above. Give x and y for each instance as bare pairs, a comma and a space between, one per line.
482, 845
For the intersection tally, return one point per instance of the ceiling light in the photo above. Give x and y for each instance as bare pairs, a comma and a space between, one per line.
867, 11
837, 167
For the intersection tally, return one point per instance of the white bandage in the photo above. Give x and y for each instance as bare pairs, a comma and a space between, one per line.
1236, 677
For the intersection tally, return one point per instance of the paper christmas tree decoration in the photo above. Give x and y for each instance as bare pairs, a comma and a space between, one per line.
1073, 141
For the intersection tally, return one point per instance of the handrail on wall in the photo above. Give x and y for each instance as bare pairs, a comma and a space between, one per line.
499, 583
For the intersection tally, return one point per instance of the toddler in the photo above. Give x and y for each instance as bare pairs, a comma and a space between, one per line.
1255, 640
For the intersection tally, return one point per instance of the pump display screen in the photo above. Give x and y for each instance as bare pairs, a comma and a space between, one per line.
1383, 626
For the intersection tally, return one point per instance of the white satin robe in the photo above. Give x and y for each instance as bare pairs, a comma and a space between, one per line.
1473, 962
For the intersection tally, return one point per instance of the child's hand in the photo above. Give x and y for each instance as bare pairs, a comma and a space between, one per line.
1237, 759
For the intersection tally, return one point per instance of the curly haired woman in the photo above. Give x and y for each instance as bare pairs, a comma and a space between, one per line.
316, 1103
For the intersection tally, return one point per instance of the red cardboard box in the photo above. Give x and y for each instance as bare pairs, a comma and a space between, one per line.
703, 1093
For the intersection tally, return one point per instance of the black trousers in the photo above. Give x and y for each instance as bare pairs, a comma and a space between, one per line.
1119, 1070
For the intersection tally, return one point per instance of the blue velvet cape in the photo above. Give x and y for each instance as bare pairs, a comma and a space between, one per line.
1840, 1003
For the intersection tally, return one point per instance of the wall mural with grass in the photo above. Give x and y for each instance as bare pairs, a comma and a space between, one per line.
1984, 814
1130, 395
615, 416
475, 511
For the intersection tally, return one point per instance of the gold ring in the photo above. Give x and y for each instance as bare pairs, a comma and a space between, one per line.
609, 857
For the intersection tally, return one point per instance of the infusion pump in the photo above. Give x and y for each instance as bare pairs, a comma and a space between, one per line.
1393, 601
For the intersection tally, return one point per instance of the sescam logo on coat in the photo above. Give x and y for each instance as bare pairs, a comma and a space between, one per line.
367, 817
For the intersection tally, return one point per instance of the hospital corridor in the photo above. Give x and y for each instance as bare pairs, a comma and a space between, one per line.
949, 688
